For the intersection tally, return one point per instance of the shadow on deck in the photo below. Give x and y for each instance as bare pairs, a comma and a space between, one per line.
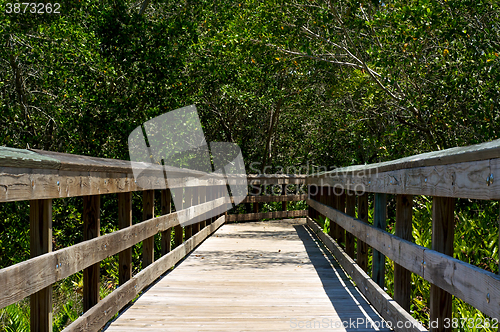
262, 276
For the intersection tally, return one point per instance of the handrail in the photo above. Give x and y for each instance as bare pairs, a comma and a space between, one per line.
40, 176
465, 172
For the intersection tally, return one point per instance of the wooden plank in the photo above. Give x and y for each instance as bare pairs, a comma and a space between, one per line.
195, 201
256, 191
340, 232
381, 301
148, 245
275, 179
402, 277
11, 157
91, 230
274, 198
350, 211
362, 252
94, 319
458, 278
465, 180
124, 221
283, 194
226, 285
266, 215
379, 221
178, 230
188, 202
30, 184
41, 243
202, 192
443, 230
52, 267
166, 208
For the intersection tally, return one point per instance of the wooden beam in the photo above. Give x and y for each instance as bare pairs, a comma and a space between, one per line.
362, 252
402, 277
442, 241
266, 215
124, 221
166, 208
379, 221
274, 198
91, 230
340, 235
283, 193
195, 201
350, 211
202, 192
41, 243
188, 202
148, 245
178, 231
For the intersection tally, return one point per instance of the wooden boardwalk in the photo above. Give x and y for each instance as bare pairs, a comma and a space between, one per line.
262, 276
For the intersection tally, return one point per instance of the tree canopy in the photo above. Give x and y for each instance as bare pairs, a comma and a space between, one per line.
292, 82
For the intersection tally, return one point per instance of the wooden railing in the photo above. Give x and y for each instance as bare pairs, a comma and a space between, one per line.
40, 176
467, 172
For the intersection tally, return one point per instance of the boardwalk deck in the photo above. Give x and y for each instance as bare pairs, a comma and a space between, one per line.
263, 276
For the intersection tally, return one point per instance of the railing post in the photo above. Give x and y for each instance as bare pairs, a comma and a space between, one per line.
91, 229
202, 193
178, 232
41, 243
340, 235
166, 208
350, 211
332, 202
124, 221
283, 192
402, 277
148, 245
442, 241
195, 200
379, 221
188, 202
362, 247
256, 205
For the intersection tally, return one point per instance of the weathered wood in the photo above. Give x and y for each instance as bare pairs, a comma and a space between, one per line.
166, 235
188, 202
91, 230
442, 241
148, 245
388, 308
402, 277
284, 194
458, 278
465, 180
178, 230
195, 201
266, 215
275, 179
41, 243
379, 221
49, 268
202, 192
124, 221
362, 247
340, 232
350, 211
274, 198
256, 191
94, 319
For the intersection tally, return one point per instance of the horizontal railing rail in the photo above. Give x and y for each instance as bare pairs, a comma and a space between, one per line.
341, 195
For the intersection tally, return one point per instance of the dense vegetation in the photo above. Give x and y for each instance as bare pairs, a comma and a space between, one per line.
294, 83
